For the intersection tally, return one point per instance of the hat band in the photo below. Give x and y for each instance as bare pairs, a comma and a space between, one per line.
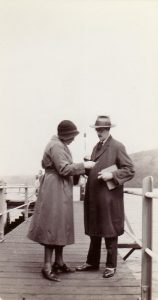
103, 125
68, 132
67, 136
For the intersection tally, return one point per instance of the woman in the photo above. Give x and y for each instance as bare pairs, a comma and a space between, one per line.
52, 223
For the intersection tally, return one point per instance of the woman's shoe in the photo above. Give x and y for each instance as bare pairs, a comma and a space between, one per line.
49, 275
56, 268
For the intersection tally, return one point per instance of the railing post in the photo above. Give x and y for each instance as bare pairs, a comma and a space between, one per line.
2, 209
146, 279
26, 201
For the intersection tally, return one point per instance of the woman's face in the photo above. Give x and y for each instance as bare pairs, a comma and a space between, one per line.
69, 141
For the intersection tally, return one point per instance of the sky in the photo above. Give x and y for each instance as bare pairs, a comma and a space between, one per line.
75, 60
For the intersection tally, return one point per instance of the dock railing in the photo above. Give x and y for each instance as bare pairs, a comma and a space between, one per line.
148, 255
149, 278
3, 203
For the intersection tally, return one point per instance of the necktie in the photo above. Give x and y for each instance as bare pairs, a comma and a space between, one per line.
100, 144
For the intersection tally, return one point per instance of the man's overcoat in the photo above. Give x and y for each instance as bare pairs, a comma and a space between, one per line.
104, 208
52, 222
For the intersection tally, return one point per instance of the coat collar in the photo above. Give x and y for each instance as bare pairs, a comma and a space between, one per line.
96, 154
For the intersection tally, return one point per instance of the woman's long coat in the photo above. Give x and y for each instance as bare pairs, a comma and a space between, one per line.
52, 222
104, 208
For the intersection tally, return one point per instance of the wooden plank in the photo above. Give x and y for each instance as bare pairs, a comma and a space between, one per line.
67, 297
34, 279
21, 262
53, 289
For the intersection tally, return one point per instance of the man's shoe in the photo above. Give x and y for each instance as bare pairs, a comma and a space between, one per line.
109, 272
86, 267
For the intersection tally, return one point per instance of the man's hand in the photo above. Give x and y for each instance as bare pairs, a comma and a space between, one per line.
105, 175
87, 158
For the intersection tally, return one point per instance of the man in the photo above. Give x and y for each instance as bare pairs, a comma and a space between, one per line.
103, 204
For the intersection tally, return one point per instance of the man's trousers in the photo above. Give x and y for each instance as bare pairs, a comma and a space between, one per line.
94, 252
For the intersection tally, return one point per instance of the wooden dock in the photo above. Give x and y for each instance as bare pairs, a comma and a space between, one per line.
21, 262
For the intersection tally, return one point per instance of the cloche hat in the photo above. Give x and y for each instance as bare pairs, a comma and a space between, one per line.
67, 129
103, 121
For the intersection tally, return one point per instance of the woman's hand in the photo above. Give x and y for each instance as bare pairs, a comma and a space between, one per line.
89, 164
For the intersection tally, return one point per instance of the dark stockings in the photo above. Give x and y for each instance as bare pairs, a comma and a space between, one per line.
48, 253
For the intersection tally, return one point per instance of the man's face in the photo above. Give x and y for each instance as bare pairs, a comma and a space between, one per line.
102, 133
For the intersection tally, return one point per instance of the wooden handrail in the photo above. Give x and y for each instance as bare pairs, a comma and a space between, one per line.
16, 186
151, 195
132, 192
147, 194
146, 266
151, 253
17, 207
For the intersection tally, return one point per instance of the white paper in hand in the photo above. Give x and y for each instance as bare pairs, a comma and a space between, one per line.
110, 183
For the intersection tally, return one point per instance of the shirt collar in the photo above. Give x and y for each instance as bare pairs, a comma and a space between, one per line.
106, 139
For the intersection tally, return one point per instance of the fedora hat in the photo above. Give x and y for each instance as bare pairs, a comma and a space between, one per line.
103, 121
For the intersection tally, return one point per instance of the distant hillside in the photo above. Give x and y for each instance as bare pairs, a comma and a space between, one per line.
146, 164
